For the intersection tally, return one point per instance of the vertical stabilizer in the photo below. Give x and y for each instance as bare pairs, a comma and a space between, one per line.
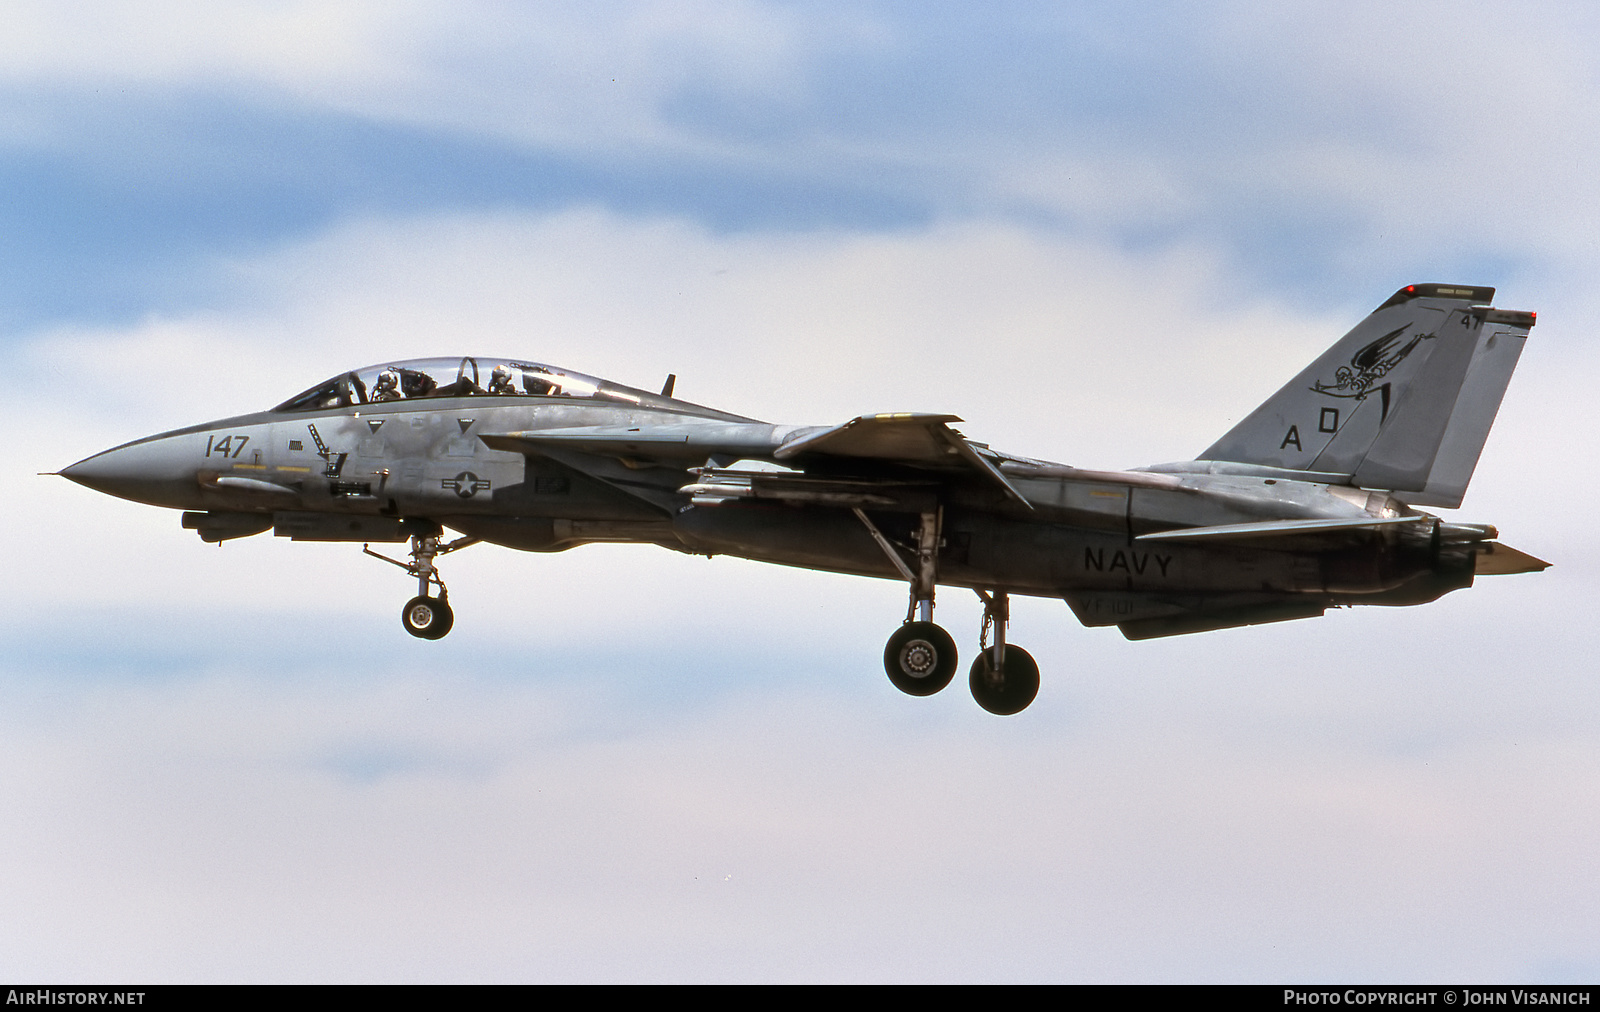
1403, 402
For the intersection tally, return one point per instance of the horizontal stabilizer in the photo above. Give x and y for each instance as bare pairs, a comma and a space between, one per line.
1495, 559
1211, 621
1141, 615
1275, 528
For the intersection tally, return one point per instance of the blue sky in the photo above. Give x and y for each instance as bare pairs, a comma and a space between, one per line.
1100, 233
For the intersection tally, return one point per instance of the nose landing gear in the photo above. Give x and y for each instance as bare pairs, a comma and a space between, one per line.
425, 616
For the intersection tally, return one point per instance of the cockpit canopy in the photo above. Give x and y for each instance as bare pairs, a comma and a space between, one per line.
421, 378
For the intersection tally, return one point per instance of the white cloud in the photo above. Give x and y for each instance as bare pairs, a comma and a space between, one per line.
217, 829
1413, 133
1420, 134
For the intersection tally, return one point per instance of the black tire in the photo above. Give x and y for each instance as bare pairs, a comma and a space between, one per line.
920, 658
428, 618
1009, 690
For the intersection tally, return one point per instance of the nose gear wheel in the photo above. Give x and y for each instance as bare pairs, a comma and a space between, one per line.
426, 616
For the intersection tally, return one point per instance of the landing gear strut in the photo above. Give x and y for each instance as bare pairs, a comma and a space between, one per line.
920, 658
425, 616
1004, 678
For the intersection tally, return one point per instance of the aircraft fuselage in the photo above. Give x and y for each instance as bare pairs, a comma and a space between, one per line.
356, 474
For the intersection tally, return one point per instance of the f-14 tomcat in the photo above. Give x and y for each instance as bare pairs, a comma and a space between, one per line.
1309, 503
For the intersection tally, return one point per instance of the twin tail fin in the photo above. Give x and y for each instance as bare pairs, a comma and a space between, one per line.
1403, 402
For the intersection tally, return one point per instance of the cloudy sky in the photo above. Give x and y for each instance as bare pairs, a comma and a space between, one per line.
1099, 232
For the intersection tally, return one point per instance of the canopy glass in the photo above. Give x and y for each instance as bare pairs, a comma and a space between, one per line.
428, 378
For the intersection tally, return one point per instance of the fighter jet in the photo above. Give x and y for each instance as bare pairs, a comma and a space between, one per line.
1309, 503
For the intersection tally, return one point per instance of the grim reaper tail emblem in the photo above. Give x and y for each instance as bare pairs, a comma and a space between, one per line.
1370, 365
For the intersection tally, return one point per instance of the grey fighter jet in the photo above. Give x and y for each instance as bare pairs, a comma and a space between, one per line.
1309, 503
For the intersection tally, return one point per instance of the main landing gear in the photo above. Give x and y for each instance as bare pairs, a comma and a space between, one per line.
1004, 679
920, 658
425, 616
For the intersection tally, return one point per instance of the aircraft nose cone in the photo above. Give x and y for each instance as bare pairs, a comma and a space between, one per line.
103, 472
148, 472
